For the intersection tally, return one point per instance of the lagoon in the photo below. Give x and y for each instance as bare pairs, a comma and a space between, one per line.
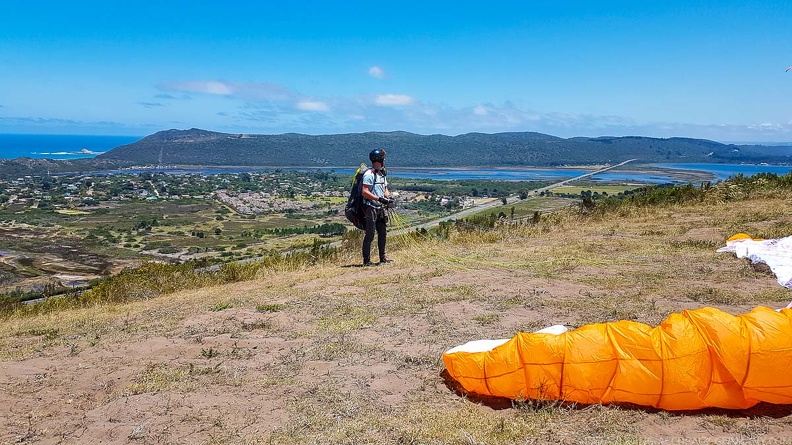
638, 174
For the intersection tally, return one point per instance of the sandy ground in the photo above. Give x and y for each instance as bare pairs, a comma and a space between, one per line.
344, 354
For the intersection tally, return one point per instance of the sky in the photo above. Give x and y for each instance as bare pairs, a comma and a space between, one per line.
701, 69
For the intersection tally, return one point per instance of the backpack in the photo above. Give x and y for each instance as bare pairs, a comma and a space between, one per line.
354, 206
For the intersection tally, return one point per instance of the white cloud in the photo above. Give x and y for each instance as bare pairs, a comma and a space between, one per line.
200, 87
394, 100
256, 91
480, 110
377, 72
767, 126
309, 105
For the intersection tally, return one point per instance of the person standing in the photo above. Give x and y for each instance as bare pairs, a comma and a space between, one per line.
377, 199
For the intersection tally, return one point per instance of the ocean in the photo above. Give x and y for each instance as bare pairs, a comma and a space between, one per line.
53, 146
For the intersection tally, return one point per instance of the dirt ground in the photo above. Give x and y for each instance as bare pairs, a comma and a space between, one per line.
338, 353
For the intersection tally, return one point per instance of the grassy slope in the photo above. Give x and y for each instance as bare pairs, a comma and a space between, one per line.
335, 354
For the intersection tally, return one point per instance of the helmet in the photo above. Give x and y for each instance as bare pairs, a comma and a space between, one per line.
377, 155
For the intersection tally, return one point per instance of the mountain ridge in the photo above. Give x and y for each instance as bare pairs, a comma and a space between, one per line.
202, 147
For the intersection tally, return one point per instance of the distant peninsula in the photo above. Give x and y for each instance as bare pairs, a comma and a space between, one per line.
208, 148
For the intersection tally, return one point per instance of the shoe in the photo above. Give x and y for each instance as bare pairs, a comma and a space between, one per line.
369, 264
385, 260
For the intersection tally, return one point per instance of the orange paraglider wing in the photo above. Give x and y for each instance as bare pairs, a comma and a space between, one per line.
694, 359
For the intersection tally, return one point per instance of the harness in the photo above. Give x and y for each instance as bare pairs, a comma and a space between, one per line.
379, 179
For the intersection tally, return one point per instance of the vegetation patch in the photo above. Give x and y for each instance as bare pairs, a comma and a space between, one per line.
270, 307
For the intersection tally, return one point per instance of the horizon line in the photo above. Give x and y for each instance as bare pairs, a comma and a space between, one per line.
732, 142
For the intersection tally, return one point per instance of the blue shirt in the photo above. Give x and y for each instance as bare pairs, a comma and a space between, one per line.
378, 183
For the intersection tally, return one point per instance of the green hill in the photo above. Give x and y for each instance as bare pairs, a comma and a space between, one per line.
201, 147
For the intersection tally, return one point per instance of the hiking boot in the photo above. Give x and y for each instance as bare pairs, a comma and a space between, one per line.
385, 260
369, 264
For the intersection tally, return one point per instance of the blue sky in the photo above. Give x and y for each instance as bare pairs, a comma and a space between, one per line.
713, 70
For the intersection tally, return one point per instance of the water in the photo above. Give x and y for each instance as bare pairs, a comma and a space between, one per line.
715, 172
718, 172
53, 146
501, 174
497, 174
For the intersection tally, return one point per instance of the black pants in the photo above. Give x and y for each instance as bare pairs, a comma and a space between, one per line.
375, 219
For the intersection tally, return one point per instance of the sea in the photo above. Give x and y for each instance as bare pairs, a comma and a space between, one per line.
53, 146
75, 146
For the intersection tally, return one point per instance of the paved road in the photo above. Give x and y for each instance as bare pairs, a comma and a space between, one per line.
558, 184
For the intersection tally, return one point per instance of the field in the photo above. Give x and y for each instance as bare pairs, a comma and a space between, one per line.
527, 207
577, 189
324, 351
40, 248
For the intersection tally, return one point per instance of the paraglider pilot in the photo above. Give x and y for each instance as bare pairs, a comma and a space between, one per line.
377, 199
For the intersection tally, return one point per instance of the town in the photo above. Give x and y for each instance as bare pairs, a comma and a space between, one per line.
277, 191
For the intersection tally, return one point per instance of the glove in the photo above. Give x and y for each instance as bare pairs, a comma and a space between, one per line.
386, 201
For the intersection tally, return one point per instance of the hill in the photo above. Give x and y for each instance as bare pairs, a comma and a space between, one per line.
315, 350
201, 147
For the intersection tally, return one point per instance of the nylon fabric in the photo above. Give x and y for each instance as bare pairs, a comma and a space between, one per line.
776, 253
695, 359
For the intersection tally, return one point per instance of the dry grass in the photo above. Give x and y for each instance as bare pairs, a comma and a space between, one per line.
328, 353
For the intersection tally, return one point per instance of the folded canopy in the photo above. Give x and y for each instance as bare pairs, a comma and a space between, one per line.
776, 253
695, 359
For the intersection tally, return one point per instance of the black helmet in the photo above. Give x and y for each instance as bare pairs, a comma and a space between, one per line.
377, 155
